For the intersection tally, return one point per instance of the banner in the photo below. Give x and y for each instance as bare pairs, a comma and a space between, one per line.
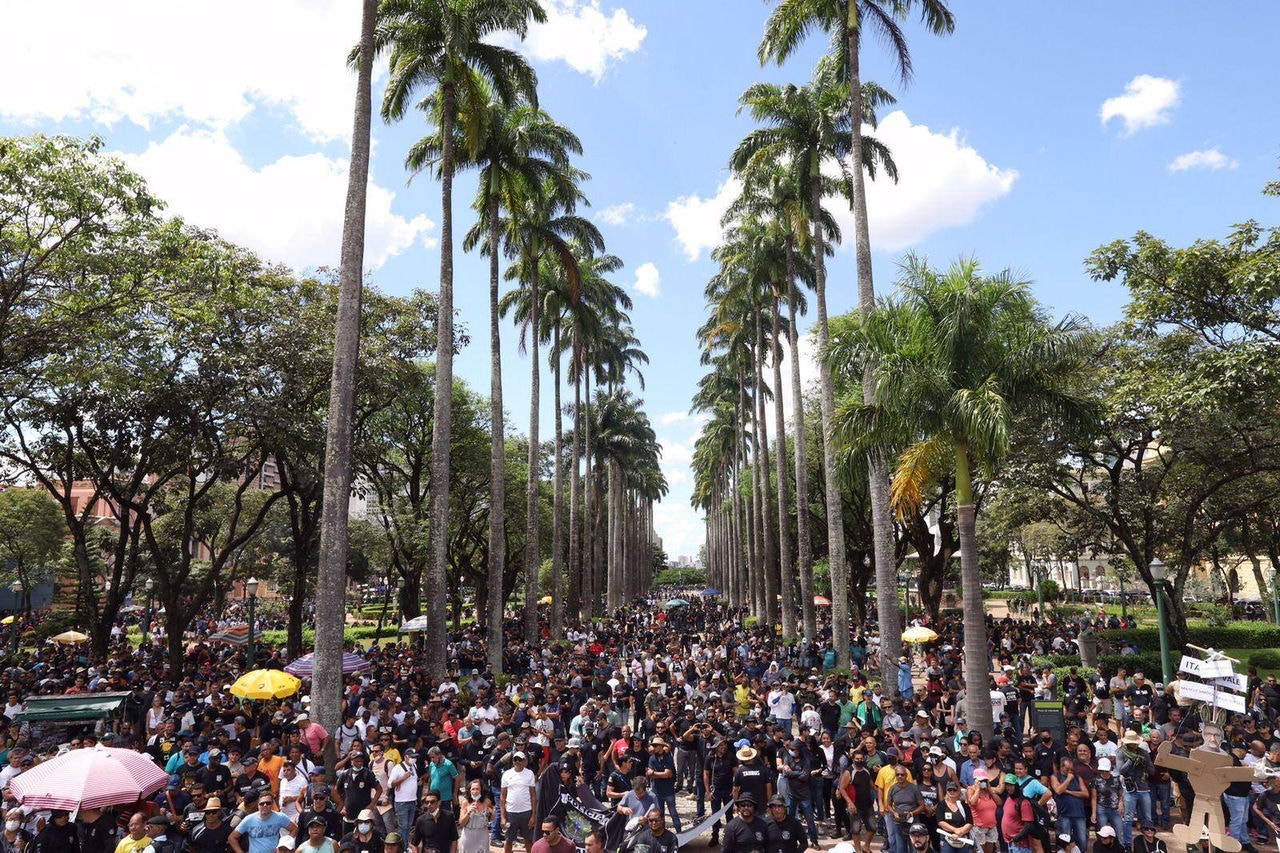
1237, 682
1208, 694
1205, 668
689, 835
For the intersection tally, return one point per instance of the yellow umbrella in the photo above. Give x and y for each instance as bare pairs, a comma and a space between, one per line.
546, 599
8, 620
265, 684
70, 637
919, 634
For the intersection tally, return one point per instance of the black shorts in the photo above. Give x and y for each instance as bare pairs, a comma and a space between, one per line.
519, 826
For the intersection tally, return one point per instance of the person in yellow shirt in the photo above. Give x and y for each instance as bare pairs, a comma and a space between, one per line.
855, 692
742, 697
888, 777
137, 840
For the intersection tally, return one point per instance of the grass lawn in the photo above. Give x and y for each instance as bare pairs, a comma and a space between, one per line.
1244, 656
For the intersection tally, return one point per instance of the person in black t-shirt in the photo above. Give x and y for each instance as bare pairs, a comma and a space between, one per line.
210, 834
434, 830
746, 832
357, 788
96, 830
215, 777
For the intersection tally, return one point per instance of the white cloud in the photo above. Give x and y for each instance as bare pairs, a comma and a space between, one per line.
580, 34
618, 214
1147, 101
943, 183
648, 280
1211, 159
680, 527
145, 60
289, 210
669, 418
676, 453
697, 220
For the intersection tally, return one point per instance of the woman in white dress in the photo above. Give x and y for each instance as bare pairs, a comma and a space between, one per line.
474, 817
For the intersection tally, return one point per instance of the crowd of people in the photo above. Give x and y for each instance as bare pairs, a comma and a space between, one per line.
685, 726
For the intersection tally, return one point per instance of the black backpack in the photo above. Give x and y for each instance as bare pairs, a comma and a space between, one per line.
1038, 811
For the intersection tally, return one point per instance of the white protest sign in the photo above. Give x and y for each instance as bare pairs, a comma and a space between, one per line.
1205, 668
1206, 693
1232, 682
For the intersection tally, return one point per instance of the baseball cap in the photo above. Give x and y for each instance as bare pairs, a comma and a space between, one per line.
1107, 832
1104, 764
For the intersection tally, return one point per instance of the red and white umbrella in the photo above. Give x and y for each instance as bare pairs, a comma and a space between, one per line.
89, 779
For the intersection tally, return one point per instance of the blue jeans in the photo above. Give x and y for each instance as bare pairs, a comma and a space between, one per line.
1111, 818
895, 837
668, 801
405, 814
1162, 800
1077, 828
495, 829
805, 807
1018, 848
1137, 807
1238, 810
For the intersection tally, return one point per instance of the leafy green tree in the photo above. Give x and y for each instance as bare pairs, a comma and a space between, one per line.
32, 534
953, 360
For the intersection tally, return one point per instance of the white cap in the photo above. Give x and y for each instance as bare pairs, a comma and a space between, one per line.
1107, 831
285, 842
1104, 764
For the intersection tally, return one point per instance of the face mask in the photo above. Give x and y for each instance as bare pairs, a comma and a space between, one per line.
12, 825
364, 826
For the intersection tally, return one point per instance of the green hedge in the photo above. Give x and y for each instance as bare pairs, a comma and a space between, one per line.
681, 577
1235, 635
350, 635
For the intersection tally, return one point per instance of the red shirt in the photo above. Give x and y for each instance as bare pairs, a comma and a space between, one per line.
1014, 819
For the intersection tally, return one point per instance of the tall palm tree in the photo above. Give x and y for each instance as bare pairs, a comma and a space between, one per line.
548, 238
443, 46
516, 148
331, 581
953, 362
845, 21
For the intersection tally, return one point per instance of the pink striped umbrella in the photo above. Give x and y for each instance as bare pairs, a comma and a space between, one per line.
89, 779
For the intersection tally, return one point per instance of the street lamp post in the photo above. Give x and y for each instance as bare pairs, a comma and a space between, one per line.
1124, 603
1159, 571
14, 628
1275, 594
150, 586
251, 587
1038, 574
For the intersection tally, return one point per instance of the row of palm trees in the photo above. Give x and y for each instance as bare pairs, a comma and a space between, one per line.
481, 102
929, 384
810, 147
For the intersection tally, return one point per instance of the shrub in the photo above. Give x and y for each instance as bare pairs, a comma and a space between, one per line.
56, 623
1233, 635
680, 577
1218, 615
1265, 659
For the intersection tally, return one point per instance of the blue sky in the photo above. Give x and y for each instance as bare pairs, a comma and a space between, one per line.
1028, 138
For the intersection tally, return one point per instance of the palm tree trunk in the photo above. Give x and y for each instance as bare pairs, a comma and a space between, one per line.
533, 551
557, 501
877, 465
766, 492
835, 523
574, 593
977, 673
331, 582
788, 569
616, 577
590, 567
497, 460
804, 552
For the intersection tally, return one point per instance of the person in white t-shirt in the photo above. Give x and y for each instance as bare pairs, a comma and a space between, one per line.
293, 787
402, 780
782, 705
518, 801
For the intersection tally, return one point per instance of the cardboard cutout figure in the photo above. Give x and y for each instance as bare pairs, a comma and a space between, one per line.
1210, 771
